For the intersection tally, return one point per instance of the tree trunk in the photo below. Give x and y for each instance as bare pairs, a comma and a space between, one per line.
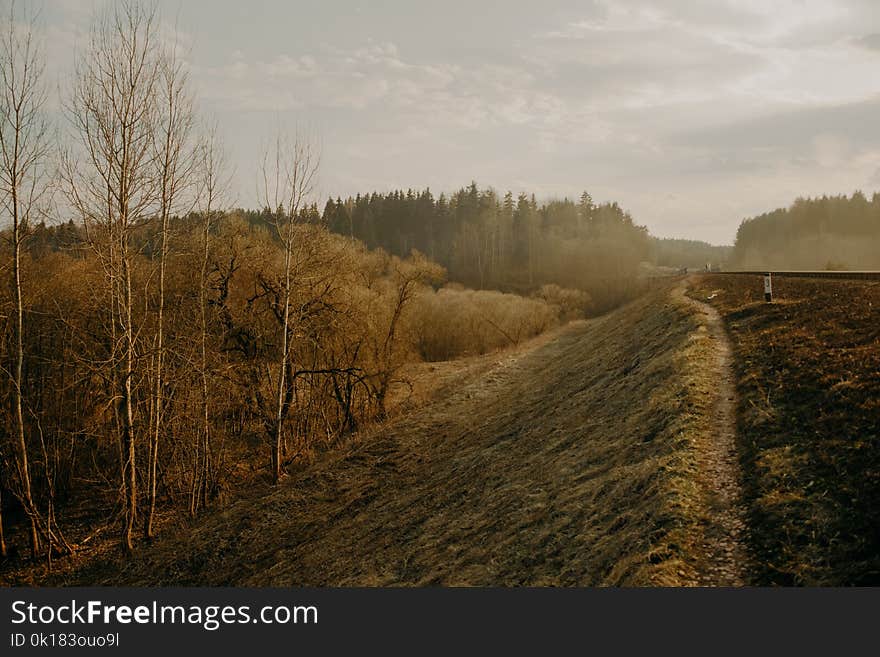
24, 467
128, 437
279, 414
203, 303
3, 552
157, 394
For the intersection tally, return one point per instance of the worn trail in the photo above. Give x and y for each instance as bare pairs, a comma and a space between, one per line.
725, 556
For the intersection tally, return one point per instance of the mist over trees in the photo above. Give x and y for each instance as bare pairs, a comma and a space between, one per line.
506, 242
693, 254
831, 232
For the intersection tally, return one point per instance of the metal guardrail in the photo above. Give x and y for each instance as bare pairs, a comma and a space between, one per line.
844, 275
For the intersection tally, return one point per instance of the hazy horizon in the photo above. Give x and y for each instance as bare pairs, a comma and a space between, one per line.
692, 118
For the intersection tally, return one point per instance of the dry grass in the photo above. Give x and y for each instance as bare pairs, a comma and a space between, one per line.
571, 463
808, 369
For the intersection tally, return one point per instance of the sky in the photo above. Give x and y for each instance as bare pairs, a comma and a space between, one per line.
691, 114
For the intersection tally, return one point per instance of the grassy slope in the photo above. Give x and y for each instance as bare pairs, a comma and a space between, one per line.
572, 463
808, 370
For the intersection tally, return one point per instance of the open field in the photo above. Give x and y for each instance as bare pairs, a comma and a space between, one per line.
808, 380
564, 464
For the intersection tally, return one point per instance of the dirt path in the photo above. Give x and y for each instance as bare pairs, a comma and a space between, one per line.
725, 556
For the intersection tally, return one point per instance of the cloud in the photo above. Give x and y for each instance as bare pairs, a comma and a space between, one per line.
792, 133
375, 75
692, 114
869, 41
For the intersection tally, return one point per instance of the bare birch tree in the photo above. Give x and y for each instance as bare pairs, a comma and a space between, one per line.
24, 149
288, 171
175, 159
110, 180
214, 181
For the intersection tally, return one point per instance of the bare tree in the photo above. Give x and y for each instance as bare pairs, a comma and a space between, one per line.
110, 180
214, 181
175, 175
288, 172
24, 149
406, 277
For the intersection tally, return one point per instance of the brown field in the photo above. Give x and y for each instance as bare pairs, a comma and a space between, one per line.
808, 380
570, 462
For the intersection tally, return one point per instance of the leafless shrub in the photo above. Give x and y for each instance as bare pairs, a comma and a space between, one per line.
572, 304
451, 323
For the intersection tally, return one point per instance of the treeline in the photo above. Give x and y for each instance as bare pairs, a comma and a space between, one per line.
831, 232
692, 254
486, 240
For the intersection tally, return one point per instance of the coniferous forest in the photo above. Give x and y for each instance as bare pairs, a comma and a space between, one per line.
487, 240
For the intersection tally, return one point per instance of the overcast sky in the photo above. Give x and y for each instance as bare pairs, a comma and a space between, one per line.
691, 113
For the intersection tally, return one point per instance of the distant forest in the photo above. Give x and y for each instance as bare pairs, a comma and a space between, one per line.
831, 232
692, 254
486, 240
507, 242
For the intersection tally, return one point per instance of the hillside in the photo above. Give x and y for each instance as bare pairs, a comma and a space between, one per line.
808, 376
563, 464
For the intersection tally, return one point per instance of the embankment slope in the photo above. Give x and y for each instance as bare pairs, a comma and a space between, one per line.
573, 463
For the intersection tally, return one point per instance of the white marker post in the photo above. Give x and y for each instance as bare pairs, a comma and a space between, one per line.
768, 288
